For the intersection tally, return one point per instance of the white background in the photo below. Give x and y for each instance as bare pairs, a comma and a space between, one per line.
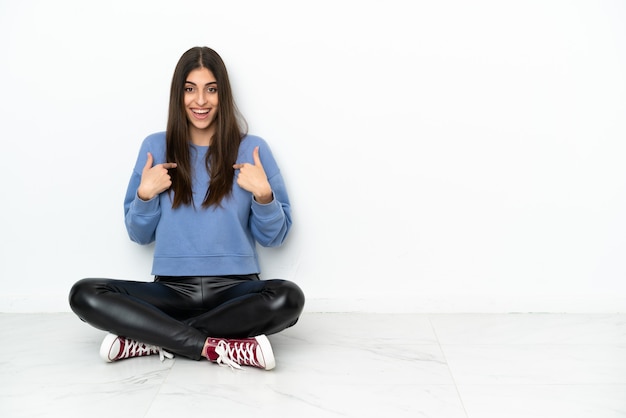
448, 156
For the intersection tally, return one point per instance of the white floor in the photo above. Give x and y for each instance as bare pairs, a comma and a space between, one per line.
333, 365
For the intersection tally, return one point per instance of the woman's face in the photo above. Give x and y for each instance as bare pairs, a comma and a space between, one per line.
201, 101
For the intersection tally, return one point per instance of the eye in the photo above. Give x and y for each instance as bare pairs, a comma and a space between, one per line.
212, 89
188, 89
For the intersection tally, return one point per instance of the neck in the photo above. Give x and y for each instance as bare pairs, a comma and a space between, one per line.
201, 137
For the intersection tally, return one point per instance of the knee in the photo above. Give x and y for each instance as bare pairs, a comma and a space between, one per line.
81, 295
290, 297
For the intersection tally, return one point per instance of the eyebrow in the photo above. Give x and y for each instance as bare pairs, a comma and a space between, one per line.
191, 82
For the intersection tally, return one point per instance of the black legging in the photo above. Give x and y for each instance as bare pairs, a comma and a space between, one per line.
179, 313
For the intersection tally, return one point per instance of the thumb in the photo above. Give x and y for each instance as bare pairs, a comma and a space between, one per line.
255, 156
148, 162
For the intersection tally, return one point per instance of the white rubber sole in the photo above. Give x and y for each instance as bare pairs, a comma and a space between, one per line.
106, 346
268, 353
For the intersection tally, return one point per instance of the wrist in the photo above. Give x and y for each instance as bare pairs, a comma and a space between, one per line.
143, 196
264, 198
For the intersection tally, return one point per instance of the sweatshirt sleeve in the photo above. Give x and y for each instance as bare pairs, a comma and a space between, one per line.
270, 223
141, 217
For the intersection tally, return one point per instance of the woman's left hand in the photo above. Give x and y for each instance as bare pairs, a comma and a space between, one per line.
252, 178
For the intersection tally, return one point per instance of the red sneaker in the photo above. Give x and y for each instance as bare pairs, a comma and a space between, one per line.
255, 352
115, 348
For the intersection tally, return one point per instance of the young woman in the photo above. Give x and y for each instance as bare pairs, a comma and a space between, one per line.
205, 192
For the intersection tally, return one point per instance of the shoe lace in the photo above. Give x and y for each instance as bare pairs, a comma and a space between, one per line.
235, 354
134, 348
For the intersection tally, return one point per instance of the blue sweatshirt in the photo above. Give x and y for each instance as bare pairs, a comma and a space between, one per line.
194, 241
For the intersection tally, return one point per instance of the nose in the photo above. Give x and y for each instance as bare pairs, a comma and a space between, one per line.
201, 98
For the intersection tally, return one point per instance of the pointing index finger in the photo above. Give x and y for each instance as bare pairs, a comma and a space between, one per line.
255, 156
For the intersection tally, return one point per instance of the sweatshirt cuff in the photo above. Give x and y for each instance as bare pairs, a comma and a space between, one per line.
146, 206
267, 210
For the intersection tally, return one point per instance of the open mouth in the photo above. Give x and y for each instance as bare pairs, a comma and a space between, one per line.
201, 113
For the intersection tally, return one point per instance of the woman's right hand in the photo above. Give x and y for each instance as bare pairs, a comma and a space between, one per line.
154, 180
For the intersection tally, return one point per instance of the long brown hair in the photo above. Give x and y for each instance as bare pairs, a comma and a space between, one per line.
230, 129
